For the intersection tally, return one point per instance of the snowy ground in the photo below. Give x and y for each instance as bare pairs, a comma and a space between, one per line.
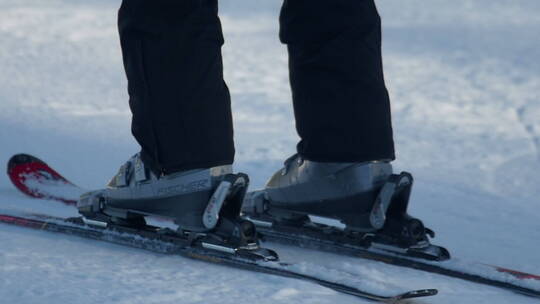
464, 80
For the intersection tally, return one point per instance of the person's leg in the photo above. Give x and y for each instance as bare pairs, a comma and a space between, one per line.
342, 169
340, 101
180, 103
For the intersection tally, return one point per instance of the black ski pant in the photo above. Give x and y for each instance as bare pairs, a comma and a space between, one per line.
181, 104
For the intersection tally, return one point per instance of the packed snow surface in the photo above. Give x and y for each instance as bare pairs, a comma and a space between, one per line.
464, 78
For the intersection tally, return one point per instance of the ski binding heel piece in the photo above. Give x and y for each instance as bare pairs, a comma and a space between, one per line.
395, 185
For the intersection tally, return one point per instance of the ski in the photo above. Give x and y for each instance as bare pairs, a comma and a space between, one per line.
166, 241
35, 178
330, 239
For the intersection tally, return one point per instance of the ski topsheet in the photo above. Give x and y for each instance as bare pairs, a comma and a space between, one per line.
35, 178
161, 242
44, 182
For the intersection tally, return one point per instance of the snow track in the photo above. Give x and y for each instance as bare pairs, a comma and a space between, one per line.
464, 81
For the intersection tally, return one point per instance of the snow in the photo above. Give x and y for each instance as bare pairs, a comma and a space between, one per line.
45, 187
464, 81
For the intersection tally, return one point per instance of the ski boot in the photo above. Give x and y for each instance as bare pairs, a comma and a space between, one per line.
367, 198
204, 203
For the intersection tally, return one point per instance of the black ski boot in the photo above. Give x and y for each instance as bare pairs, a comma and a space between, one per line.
204, 203
367, 198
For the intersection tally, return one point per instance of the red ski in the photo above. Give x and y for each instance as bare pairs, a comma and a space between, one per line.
35, 178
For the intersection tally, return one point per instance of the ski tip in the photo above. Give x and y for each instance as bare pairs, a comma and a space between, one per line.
21, 159
23, 168
418, 294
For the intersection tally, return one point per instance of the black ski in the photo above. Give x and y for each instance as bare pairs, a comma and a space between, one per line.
166, 241
334, 240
